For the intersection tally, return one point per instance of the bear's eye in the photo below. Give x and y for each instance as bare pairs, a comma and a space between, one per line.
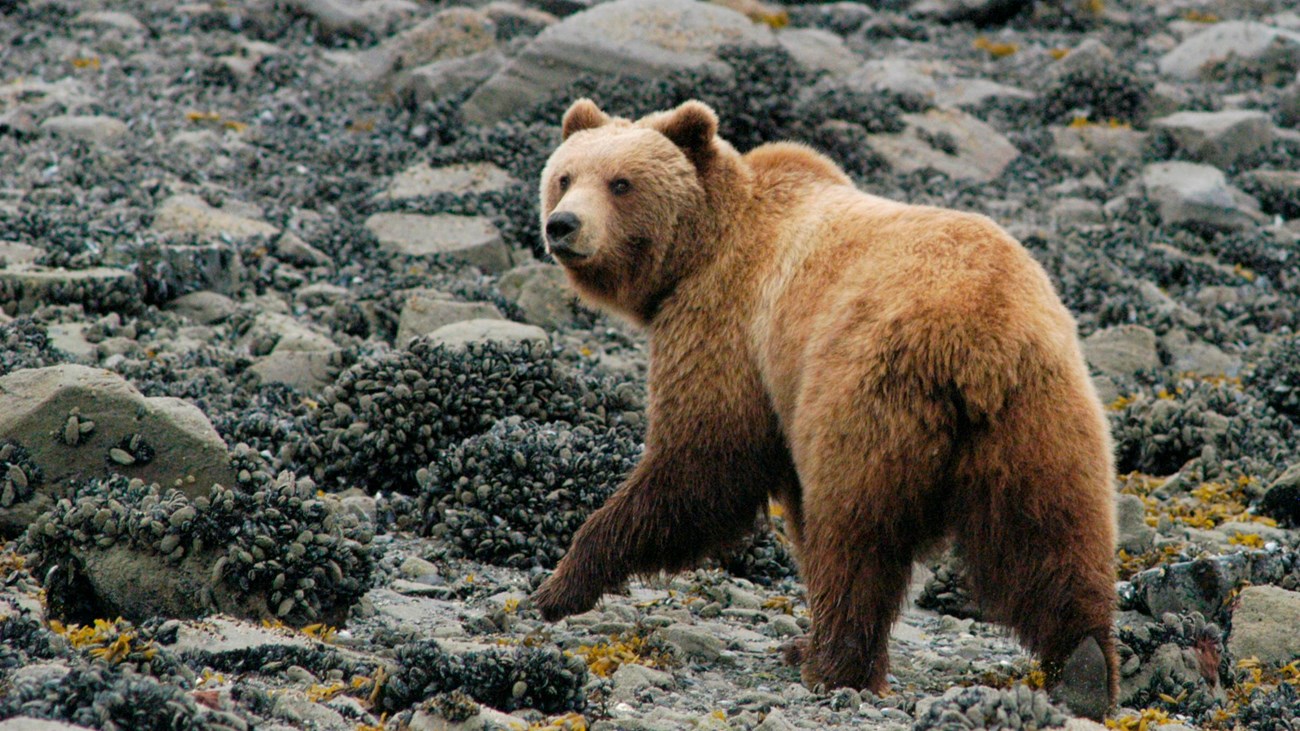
622, 186
564, 182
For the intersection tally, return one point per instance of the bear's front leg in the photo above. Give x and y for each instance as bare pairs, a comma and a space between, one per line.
679, 504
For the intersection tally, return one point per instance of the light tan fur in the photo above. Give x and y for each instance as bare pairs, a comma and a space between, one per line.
894, 375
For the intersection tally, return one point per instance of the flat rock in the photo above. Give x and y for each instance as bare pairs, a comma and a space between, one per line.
1190, 193
542, 292
1121, 350
949, 141
1288, 106
967, 93
1086, 143
1245, 39
204, 307
452, 33
306, 370
642, 38
422, 179
1264, 625
218, 636
422, 315
1217, 138
471, 239
1189, 354
334, 18
190, 214
109, 20
23, 723
12, 252
96, 129
504, 332
35, 406
818, 50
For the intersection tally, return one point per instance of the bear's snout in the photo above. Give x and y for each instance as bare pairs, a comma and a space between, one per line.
560, 228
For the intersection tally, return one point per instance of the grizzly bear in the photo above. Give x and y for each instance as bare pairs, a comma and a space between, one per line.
893, 375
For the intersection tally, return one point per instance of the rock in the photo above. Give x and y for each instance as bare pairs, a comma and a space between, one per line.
965, 93
642, 38
296, 251
205, 308
630, 679
1205, 584
109, 20
818, 50
471, 239
774, 721
1264, 625
447, 78
1091, 57
1197, 356
190, 214
423, 179
94, 129
1217, 138
306, 370
542, 292
982, 12
23, 723
693, 642
1085, 144
218, 637
334, 18
1189, 193
514, 20
1122, 350
422, 315
1278, 191
901, 76
1077, 212
1169, 663
1288, 106
70, 338
1245, 39
36, 411
452, 33
951, 142
1282, 500
12, 252
1135, 536
470, 332
25, 288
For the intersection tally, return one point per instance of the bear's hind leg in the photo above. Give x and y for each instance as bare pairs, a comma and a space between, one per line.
1036, 528
872, 502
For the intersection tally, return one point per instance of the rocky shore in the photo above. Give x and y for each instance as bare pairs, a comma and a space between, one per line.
295, 414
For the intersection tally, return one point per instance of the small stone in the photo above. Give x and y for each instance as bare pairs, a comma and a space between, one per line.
472, 239
203, 307
1217, 138
1264, 625
87, 128
423, 315
423, 179
693, 642
1122, 350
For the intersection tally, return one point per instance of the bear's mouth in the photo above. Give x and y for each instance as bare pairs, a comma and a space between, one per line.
565, 255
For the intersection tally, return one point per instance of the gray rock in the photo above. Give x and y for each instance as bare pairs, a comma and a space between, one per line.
1077, 212
12, 252
23, 723
513, 19
774, 721
1085, 144
1288, 106
1135, 536
294, 250
422, 315
1189, 193
1121, 350
334, 18
273, 331
630, 679
977, 11
1217, 138
218, 636
542, 292
470, 332
306, 370
204, 307
693, 642
1278, 189
109, 20
1204, 585
952, 142
471, 239
963, 93
818, 50
902, 76
33, 285
423, 179
1170, 662
447, 78
452, 33
95, 129
1282, 500
1264, 625
1197, 356
643, 38
1245, 39
1090, 57
36, 406
190, 214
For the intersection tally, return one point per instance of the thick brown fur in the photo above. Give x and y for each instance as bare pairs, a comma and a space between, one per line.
893, 375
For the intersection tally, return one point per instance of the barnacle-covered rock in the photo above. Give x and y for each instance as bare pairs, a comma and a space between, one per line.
946, 590
99, 289
1229, 432
24, 343
1180, 656
1275, 377
73, 422
121, 547
1099, 92
387, 416
515, 495
1272, 709
527, 677
1205, 584
107, 698
982, 707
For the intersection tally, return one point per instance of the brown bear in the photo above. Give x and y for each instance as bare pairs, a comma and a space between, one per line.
892, 375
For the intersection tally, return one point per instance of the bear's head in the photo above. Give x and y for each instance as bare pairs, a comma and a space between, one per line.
623, 202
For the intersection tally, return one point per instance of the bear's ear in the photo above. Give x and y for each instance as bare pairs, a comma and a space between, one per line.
584, 114
690, 126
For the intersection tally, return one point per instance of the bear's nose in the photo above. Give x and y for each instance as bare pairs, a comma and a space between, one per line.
561, 226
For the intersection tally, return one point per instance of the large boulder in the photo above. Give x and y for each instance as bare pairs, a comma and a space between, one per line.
1264, 625
70, 423
644, 38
